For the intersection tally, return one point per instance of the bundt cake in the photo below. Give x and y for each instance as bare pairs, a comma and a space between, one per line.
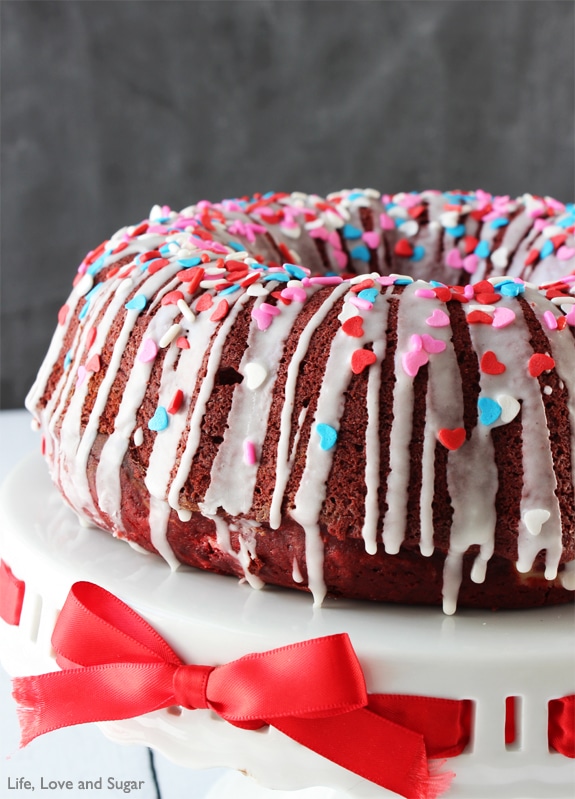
368, 396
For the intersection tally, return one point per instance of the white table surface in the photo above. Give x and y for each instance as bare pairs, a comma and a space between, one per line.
82, 752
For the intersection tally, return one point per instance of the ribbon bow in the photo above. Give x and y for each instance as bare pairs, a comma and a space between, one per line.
115, 666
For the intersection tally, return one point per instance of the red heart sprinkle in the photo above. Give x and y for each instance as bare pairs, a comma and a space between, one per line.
451, 439
156, 265
91, 337
353, 326
172, 297
488, 299
479, 317
176, 401
360, 359
483, 287
532, 256
183, 343
221, 311
206, 301
93, 365
470, 243
403, 248
416, 211
490, 365
540, 363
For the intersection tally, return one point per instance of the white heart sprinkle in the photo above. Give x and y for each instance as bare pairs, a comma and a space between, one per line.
449, 219
255, 374
257, 290
510, 407
409, 228
500, 257
535, 519
84, 285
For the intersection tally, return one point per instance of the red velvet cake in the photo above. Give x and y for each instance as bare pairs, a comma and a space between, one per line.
367, 396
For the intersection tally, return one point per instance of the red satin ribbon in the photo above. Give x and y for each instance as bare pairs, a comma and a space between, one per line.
115, 666
11, 595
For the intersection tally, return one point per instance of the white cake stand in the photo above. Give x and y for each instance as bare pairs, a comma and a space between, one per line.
208, 619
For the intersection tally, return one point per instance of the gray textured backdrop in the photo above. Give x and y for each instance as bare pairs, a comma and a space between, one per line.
110, 107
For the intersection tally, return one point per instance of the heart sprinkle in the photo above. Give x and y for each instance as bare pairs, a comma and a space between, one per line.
353, 326
490, 365
159, 420
535, 519
148, 350
489, 410
438, 319
360, 359
327, 434
255, 375
451, 439
540, 363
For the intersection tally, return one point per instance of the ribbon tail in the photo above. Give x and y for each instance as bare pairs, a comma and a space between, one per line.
109, 692
372, 747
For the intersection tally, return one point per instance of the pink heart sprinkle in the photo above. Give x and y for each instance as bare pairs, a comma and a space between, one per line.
470, 263
503, 317
453, 259
565, 253
334, 239
431, 344
82, 374
386, 222
272, 310
412, 361
319, 233
148, 351
387, 280
438, 319
570, 318
371, 238
294, 293
340, 257
416, 343
263, 319
427, 293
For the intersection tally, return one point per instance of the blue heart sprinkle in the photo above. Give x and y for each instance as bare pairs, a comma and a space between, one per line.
547, 249
283, 277
295, 271
361, 253
235, 245
159, 420
511, 289
418, 253
456, 232
482, 250
137, 303
351, 232
489, 410
368, 294
566, 221
327, 434
189, 261
501, 221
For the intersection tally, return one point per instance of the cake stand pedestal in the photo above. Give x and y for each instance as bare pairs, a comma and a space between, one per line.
477, 655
